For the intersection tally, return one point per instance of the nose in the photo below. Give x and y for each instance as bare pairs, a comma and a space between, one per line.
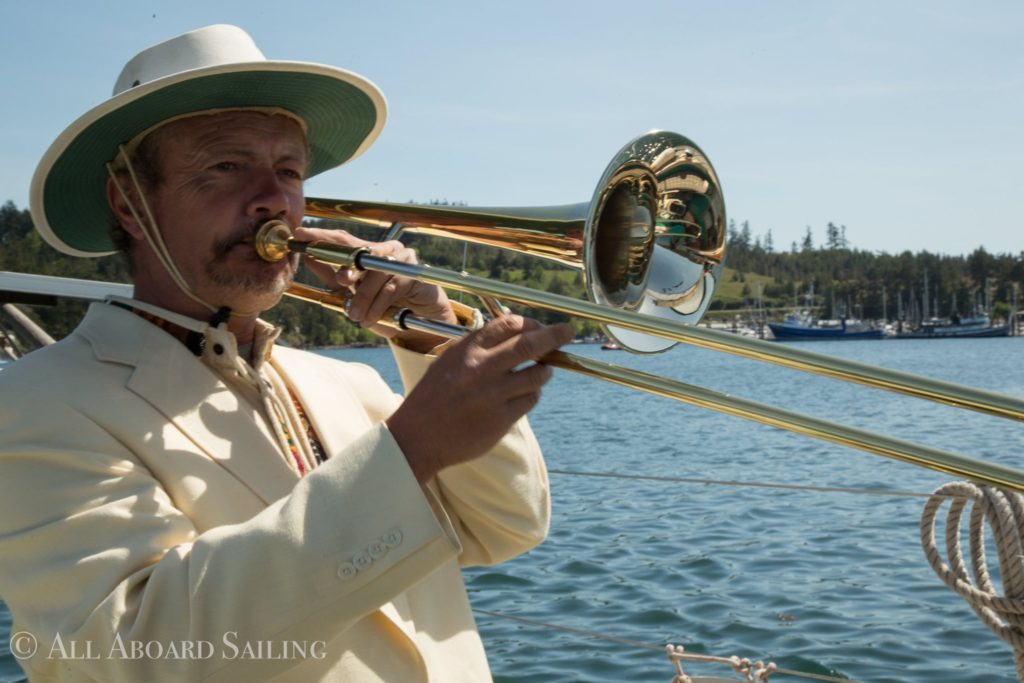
270, 198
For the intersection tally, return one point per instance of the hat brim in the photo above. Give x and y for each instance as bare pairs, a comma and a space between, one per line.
343, 113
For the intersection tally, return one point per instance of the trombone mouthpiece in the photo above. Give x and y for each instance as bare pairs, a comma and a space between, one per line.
271, 240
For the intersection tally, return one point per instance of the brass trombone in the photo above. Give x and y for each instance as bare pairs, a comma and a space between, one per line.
650, 244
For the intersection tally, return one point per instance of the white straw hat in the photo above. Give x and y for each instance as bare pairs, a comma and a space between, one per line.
217, 67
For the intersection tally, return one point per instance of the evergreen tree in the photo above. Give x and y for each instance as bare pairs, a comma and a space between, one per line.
832, 240
808, 243
745, 235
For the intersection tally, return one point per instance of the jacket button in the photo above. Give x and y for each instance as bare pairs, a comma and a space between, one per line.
347, 571
362, 561
392, 538
378, 550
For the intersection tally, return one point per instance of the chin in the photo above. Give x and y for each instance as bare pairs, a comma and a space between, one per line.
259, 289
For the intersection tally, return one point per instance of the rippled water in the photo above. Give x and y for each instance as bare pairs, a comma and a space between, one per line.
831, 583
820, 582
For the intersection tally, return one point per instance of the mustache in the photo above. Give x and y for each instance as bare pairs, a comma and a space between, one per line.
245, 235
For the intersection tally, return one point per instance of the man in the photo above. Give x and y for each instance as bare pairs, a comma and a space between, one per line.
182, 500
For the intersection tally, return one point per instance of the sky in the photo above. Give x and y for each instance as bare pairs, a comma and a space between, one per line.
901, 121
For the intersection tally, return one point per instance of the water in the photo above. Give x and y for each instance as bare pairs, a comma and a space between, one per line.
829, 583
820, 582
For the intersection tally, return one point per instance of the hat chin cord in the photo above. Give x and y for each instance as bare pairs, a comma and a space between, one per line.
151, 231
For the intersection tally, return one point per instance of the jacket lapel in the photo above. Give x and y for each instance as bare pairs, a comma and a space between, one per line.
232, 432
193, 398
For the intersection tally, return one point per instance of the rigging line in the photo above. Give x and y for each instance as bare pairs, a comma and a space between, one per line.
639, 644
730, 482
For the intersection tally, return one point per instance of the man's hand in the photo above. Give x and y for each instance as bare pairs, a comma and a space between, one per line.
377, 292
473, 394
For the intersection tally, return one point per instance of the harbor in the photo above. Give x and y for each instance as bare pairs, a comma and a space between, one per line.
800, 322
797, 327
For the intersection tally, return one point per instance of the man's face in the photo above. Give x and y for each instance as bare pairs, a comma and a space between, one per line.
222, 176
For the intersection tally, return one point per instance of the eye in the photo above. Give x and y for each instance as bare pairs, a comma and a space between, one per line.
291, 173
225, 166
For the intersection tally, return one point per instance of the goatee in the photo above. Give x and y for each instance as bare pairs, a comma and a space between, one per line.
269, 279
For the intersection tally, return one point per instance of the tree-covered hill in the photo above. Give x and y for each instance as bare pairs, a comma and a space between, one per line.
872, 285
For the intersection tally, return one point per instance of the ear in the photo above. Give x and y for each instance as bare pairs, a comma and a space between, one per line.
121, 208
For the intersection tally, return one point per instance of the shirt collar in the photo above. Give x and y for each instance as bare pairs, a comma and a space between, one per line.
185, 328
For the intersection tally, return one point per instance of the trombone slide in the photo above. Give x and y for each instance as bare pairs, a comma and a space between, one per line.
897, 449
905, 451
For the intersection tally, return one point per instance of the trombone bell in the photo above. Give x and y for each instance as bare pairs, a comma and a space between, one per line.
675, 272
651, 239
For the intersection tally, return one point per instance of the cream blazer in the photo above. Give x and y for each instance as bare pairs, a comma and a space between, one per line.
143, 504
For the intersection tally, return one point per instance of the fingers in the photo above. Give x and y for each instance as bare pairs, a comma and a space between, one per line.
376, 292
526, 384
501, 329
473, 394
516, 393
512, 340
332, 275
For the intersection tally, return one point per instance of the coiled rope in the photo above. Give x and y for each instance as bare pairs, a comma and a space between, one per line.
1004, 512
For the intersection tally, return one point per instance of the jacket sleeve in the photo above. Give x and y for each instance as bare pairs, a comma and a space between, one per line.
499, 504
93, 549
